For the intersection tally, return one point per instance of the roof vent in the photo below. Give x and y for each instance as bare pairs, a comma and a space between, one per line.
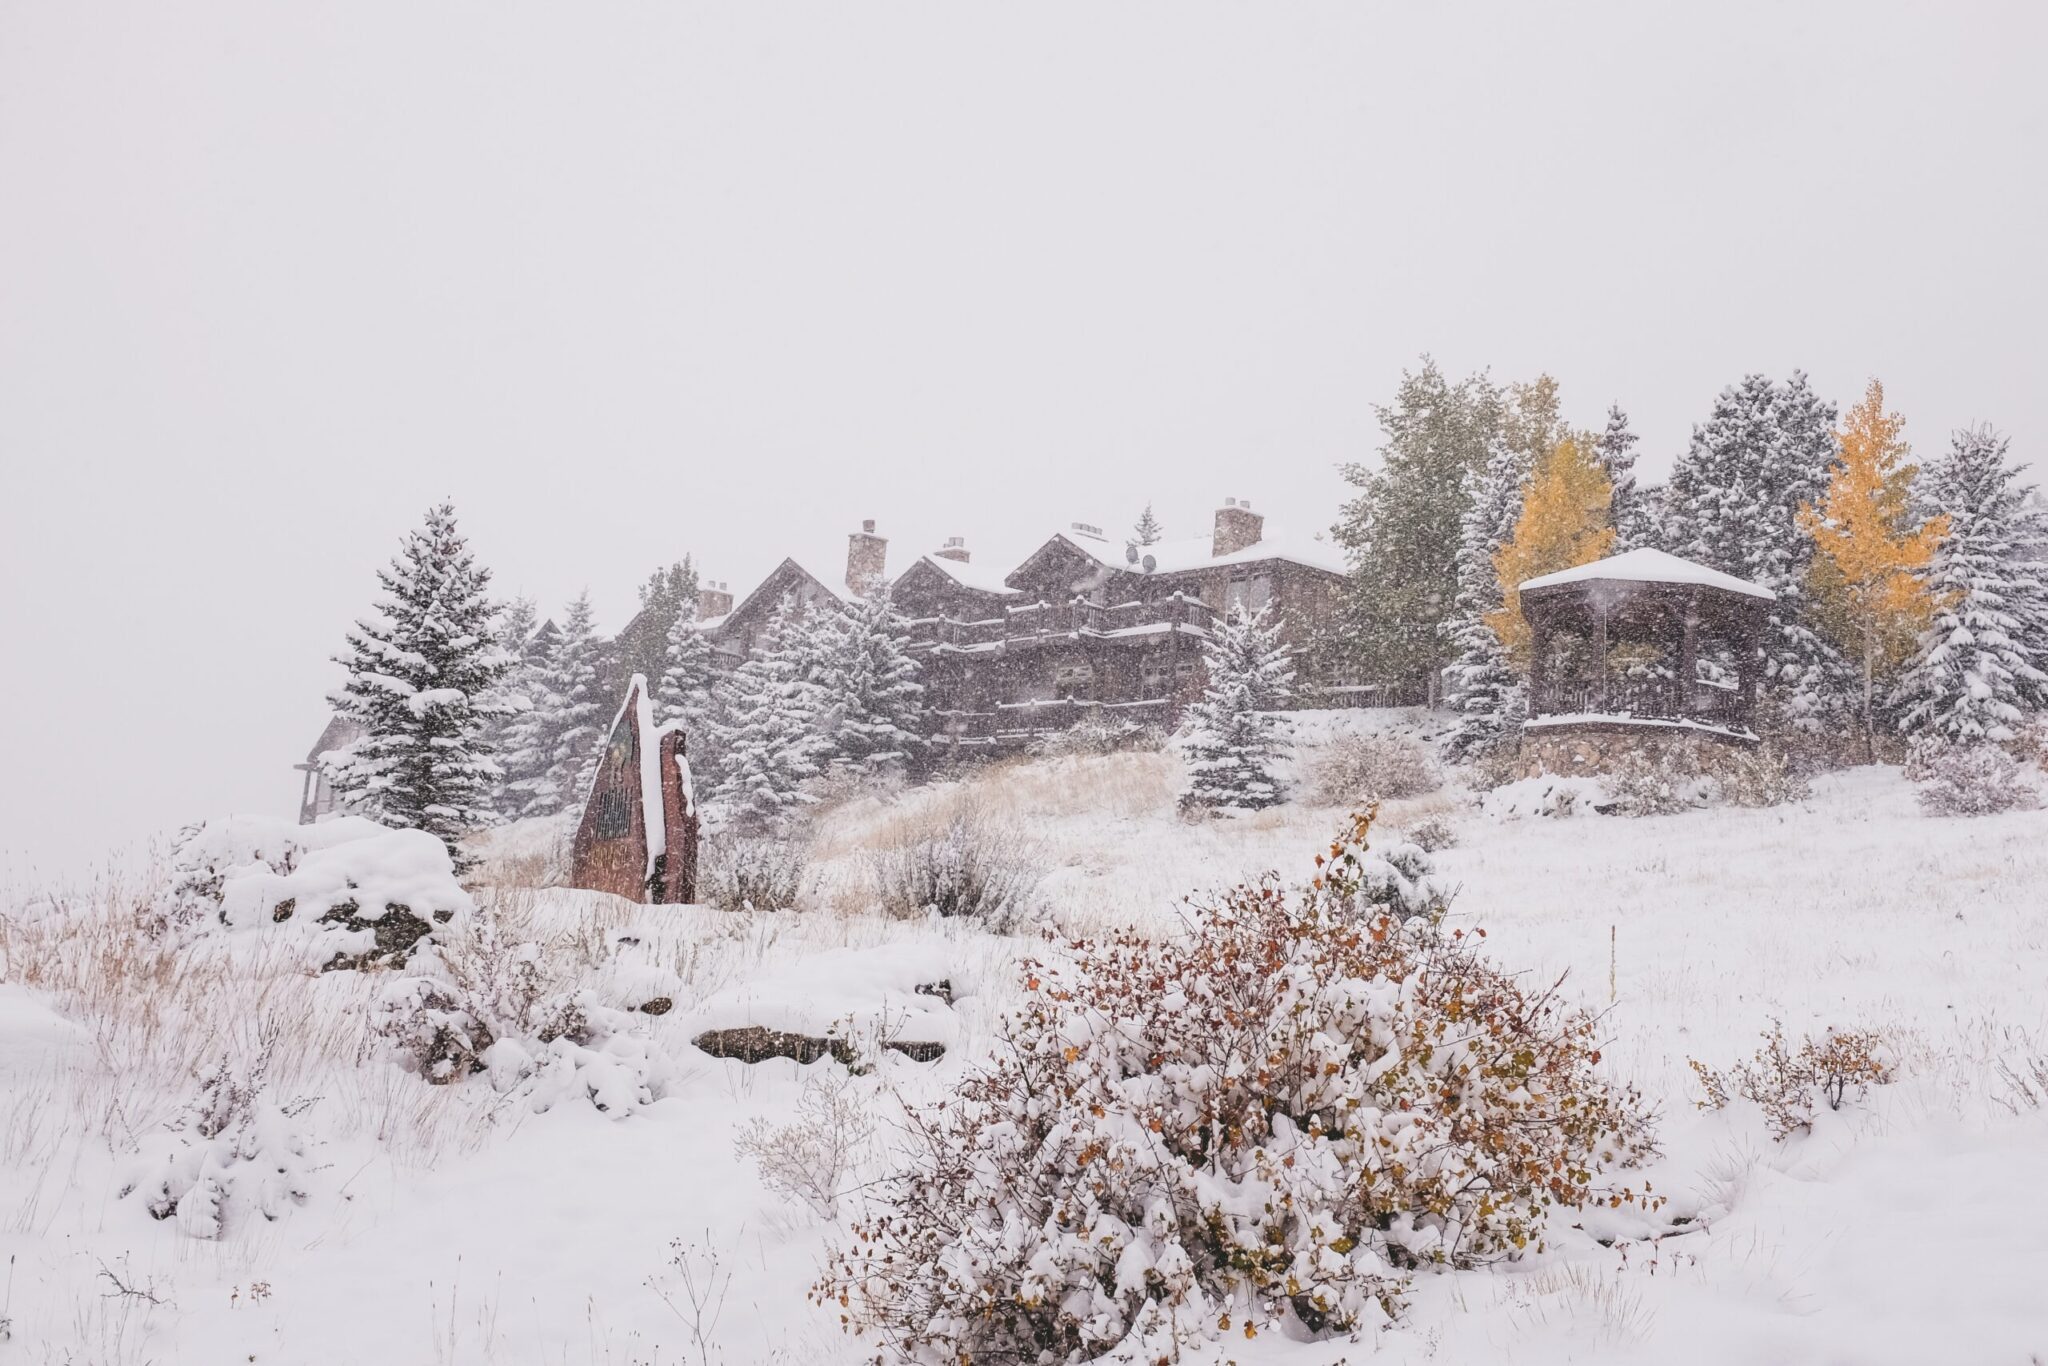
1087, 530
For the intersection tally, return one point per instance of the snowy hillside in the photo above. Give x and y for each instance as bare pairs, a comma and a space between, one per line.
358, 1214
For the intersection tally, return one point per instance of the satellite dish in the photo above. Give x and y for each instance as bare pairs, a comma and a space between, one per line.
1150, 564
1131, 551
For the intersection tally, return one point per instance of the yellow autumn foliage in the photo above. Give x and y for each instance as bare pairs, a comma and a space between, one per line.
1867, 570
1564, 523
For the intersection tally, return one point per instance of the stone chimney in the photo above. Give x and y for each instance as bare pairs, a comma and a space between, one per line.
865, 554
713, 599
955, 548
1237, 527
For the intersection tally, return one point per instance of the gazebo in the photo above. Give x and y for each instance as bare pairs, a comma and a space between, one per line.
1645, 640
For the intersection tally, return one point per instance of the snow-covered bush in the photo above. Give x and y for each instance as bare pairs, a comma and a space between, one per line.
355, 892
231, 1151
754, 872
807, 1160
958, 862
1357, 768
1656, 785
487, 1004
1786, 1085
1970, 780
1283, 1112
1098, 732
1432, 834
1759, 776
1545, 794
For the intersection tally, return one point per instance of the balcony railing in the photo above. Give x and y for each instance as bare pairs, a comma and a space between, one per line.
1650, 699
1078, 616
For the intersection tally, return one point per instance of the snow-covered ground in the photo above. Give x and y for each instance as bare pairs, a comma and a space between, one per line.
452, 1224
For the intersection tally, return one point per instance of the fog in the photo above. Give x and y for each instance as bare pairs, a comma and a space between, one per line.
634, 281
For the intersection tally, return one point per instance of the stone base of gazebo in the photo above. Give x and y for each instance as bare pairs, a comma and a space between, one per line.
1569, 748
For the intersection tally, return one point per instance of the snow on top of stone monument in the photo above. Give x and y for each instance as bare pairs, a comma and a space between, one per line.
1649, 566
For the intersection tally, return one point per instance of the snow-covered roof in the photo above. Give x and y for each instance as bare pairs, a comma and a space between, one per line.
1650, 566
979, 577
1192, 552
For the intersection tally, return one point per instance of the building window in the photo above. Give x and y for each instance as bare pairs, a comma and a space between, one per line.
1156, 676
1072, 680
1252, 592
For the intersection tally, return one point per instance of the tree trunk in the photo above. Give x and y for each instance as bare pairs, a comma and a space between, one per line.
1869, 672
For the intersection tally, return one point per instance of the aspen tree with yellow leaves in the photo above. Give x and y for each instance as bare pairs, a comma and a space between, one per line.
1870, 560
1564, 523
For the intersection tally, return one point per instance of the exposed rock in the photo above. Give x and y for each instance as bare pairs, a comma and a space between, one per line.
396, 931
660, 1005
756, 1044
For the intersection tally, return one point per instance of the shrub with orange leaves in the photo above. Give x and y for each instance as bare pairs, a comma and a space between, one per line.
1291, 1107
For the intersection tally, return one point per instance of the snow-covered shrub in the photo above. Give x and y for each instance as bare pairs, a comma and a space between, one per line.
1282, 1113
1432, 834
957, 862
484, 1003
754, 872
1971, 780
1786, 1085
1098, 732
1758, 776
1357, 768
807, 1160
1660, 784
1544, 795
232, 1150
355, 892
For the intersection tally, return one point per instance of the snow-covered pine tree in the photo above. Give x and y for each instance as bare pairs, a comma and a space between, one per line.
875, 695
529, 738
684, 690
1483, 685
1634, 526
512, 699
421, 673
585, 703
1981, 668
769, 739
1232, 740
1147, 531
1732, 504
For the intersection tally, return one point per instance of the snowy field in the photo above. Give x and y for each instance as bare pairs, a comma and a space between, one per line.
451, 1224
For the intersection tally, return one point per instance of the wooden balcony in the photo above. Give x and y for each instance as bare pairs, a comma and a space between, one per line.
1041, 621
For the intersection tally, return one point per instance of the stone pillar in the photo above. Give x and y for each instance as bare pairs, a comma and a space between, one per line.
1688, 654
1600, 649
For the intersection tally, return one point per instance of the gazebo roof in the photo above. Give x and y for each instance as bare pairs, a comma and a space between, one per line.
1649, 566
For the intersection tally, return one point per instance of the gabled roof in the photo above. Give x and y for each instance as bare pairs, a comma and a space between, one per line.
1649, 566
776, 580
1186, 554
979, 577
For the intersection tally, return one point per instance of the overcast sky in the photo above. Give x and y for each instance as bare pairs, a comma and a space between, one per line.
634, 280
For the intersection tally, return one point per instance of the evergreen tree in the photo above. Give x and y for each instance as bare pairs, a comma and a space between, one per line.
1867, 570
771, 743
874, 696
1483, 684
1630, 510
1147, 531
554, 747
512, 700
1732, 504
421, 674
683, 692
1563, 523
1232, 740
642, 648
1401, 532
1981, 667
